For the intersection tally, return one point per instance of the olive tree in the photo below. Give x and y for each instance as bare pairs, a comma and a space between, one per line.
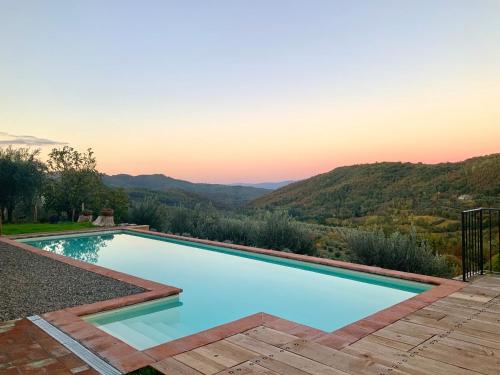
21, 178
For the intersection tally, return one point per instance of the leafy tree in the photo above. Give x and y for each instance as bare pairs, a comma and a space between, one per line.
21, 177
73, 180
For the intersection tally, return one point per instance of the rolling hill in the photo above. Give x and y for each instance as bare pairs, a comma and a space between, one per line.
174, 191
386, 188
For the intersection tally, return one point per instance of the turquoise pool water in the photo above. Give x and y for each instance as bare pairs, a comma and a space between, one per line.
221, 285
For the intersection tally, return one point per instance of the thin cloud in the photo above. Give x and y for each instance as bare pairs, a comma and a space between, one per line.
26, 140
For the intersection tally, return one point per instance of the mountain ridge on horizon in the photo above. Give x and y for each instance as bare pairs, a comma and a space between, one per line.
353, 190
276, 184
269, 185
185, 192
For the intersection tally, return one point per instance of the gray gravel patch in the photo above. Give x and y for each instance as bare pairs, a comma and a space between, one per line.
33, 284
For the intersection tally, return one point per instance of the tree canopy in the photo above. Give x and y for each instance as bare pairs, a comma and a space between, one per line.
67, 182
73, 180
21, 179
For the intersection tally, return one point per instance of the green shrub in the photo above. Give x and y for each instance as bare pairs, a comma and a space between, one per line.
149, 212
271, 230
396, 251
179, 221
279, 231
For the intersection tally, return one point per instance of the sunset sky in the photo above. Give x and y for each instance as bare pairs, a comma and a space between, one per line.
251, 91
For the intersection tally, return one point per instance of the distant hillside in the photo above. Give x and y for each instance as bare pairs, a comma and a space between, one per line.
266, 185
170, 197
381, 188
179, 191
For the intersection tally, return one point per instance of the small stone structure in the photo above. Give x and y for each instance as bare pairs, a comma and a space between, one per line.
85, 216
105, 219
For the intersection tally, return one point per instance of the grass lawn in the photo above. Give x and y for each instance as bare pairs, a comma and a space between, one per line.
34, 228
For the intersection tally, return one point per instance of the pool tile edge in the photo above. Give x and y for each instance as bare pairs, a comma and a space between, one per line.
127, 358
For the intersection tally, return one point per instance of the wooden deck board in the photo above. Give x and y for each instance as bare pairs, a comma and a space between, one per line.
343, 361
281, 355
475, 340
200, 362
248, 368
172, 366
457, 354
388, 342
225, 353
271, 336
279, 366
416, 365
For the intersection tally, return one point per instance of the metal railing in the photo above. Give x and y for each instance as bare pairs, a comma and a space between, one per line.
480, 241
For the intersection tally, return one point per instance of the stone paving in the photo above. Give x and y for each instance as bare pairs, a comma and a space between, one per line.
26, 349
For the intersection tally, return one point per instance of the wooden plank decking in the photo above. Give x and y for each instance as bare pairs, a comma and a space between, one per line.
456, 335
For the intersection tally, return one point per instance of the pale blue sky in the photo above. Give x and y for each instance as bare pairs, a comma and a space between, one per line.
204, 74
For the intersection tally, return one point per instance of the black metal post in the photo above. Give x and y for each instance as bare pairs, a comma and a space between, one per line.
481, 256
474, 242
469, 240
464, 265
491, 224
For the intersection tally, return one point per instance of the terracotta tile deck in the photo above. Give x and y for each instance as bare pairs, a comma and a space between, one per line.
26, 349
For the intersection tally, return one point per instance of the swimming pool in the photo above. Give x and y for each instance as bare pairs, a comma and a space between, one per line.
221, 285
